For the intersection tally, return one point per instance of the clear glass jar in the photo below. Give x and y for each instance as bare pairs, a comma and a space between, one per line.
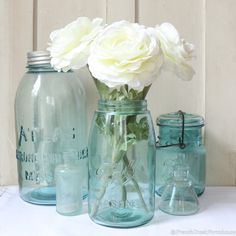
180, 144
69, 200
50, 114
121, 164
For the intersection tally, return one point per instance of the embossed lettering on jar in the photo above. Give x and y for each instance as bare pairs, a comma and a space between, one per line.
50, 119
121, 164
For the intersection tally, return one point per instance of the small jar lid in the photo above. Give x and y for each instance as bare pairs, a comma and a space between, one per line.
38, 57
175, 119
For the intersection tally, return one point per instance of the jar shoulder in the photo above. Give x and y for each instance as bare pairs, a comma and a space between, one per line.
49, 84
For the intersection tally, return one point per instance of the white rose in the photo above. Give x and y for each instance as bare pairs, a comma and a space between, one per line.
125, 53
176, 51
70, 45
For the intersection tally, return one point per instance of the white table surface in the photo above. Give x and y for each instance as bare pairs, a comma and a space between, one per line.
217, 216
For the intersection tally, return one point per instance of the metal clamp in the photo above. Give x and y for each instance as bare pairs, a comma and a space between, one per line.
181, 143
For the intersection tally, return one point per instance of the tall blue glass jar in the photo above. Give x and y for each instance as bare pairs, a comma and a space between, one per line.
180, 144
50, 114
121, 164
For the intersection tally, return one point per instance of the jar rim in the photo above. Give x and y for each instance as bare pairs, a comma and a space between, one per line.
174, 119
123, 102
122, 105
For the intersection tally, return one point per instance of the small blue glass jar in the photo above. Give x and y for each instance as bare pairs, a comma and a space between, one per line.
180, 143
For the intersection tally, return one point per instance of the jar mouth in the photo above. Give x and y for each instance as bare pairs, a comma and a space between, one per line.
40, 68
175, 120
122, 106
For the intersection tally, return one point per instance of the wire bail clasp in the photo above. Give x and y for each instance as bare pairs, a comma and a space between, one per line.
181, 143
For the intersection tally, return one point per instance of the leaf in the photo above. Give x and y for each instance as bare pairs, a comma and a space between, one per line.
101, 122
139, 129
119, 94
130, 140
145, 90
124, 91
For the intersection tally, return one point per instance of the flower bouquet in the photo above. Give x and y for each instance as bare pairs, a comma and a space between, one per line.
124, 59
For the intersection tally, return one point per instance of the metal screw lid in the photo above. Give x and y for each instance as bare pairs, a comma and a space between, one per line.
38, 57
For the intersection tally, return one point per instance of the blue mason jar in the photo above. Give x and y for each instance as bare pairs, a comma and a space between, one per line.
50, 114
180, 144
122, 164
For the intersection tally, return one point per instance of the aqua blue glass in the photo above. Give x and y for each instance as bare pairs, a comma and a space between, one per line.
179, 197
170, 152
121, 164
50, 112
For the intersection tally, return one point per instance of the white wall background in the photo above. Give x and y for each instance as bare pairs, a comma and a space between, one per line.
209, 24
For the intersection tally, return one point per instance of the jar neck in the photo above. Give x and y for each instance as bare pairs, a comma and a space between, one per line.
40, 68
170, 135
130, 106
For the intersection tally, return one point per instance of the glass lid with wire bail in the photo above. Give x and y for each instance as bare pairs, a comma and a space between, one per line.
179, 128
175, 119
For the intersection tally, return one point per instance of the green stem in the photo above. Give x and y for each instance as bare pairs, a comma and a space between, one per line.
130, 172
123, 189
117, 155
102, 193
136, 186
103, 190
